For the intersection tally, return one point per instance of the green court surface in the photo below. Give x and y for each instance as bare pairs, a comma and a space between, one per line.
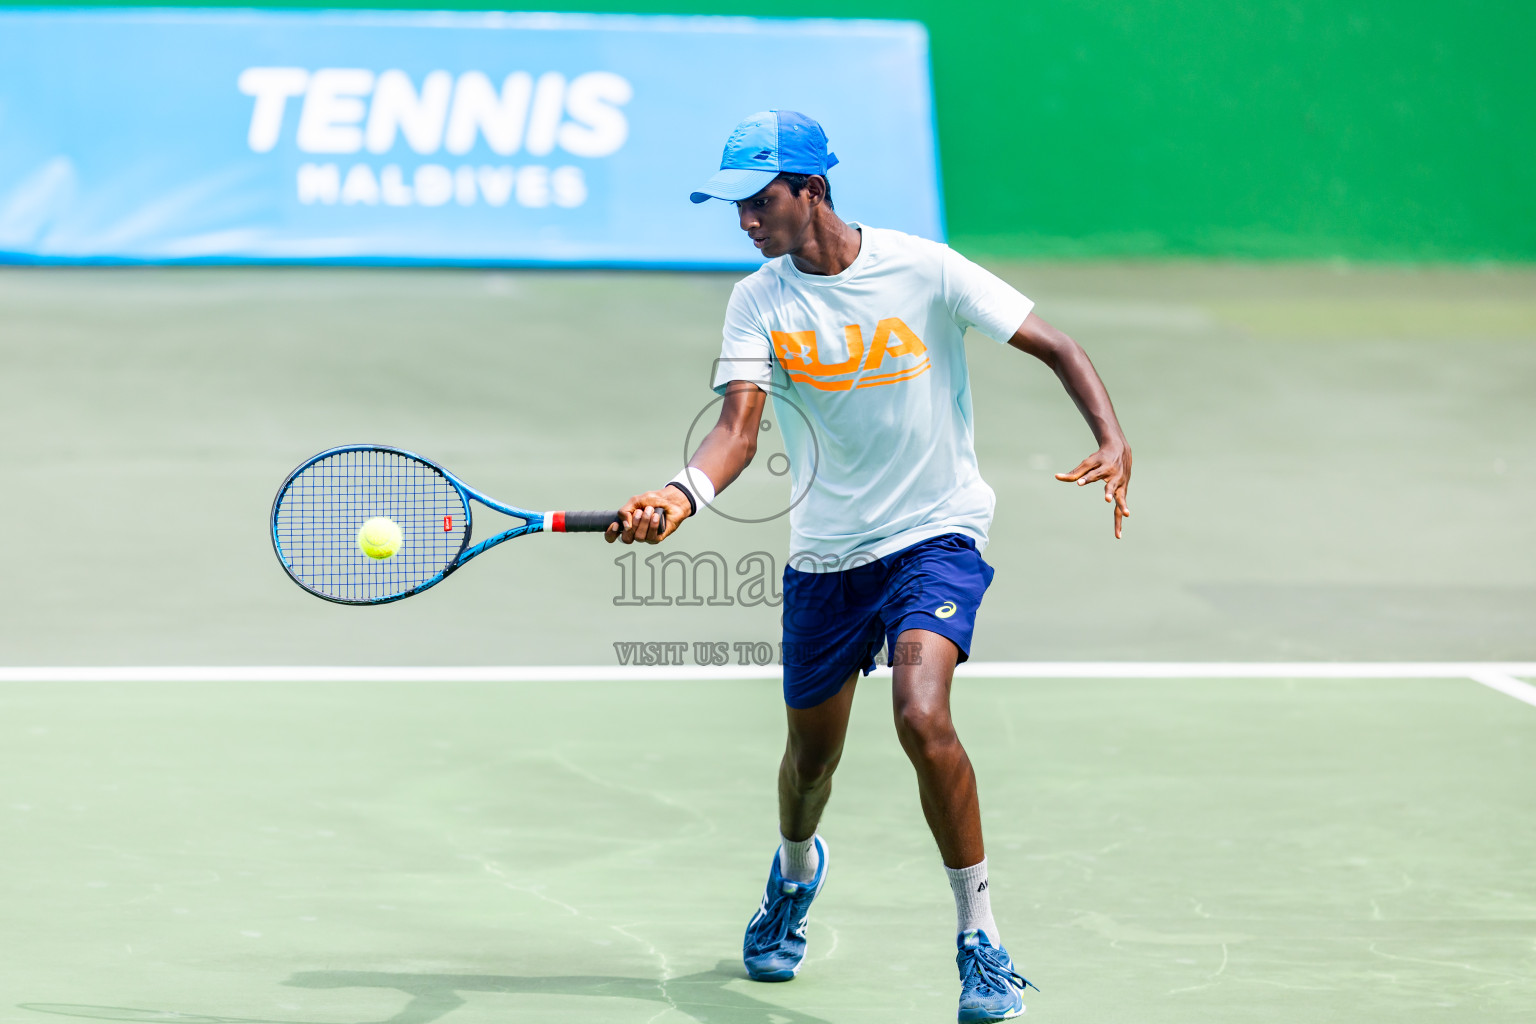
1169, 850
1331, 464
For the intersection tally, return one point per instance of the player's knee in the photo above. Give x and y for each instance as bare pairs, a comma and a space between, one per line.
924, 730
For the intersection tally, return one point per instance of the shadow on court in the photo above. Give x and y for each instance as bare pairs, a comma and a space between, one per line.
703, 996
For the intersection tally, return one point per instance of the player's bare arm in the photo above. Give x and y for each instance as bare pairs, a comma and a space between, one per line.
726, 450
1112, 462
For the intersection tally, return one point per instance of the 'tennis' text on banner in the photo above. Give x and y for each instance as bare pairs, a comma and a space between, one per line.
350, 110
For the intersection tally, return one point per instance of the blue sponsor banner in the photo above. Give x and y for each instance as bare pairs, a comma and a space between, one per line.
246, 136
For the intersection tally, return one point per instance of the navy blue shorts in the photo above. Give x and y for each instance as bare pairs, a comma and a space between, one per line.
835, 623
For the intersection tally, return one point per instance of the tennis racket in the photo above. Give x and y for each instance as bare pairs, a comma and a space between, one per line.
320, 507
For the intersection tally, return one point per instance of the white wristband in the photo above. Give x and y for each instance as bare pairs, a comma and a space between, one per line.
697, 482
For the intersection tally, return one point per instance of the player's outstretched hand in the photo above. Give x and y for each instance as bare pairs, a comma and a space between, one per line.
1112, 464
641, 519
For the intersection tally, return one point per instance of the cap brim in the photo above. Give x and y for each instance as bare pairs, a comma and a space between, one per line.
733, 184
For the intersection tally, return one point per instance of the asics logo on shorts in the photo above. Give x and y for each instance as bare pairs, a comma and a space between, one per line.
945, 610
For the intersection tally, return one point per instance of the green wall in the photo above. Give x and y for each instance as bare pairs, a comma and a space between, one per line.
1368, 129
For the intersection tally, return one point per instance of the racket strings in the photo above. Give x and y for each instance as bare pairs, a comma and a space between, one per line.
319, 515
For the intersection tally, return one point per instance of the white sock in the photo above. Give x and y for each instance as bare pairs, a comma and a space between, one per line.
798, 861
973, 903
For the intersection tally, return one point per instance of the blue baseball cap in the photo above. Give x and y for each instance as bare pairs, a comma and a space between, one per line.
761, 148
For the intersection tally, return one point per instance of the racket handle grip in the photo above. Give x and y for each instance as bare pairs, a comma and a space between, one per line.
588, 522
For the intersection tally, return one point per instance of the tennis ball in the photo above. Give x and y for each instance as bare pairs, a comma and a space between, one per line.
380, 538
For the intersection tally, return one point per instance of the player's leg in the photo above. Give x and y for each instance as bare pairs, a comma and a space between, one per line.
831, 631
946, 782
774, 945
925, 662
811, 753
930, 610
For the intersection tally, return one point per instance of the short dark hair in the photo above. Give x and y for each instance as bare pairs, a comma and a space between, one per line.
796, 183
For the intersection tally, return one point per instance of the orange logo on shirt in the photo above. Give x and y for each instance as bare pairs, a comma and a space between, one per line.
798, 355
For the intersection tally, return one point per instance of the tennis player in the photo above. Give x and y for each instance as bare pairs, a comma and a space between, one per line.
857, 333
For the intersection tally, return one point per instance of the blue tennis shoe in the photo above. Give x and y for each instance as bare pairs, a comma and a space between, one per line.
990, 988
775, 941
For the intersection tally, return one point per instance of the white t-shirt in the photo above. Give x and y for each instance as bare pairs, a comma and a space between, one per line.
870, 388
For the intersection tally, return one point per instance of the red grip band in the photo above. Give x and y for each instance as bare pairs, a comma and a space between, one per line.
557, 523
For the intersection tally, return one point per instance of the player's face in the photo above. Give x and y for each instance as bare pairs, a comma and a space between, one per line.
776, 220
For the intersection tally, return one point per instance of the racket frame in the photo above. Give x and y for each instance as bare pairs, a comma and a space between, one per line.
533, 522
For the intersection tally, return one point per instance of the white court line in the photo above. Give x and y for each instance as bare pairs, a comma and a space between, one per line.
381, 673
1506, 684
1498, 675
1238, 669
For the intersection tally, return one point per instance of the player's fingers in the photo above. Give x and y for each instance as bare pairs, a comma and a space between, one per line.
1081, 468
1119, 516
1100, 471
